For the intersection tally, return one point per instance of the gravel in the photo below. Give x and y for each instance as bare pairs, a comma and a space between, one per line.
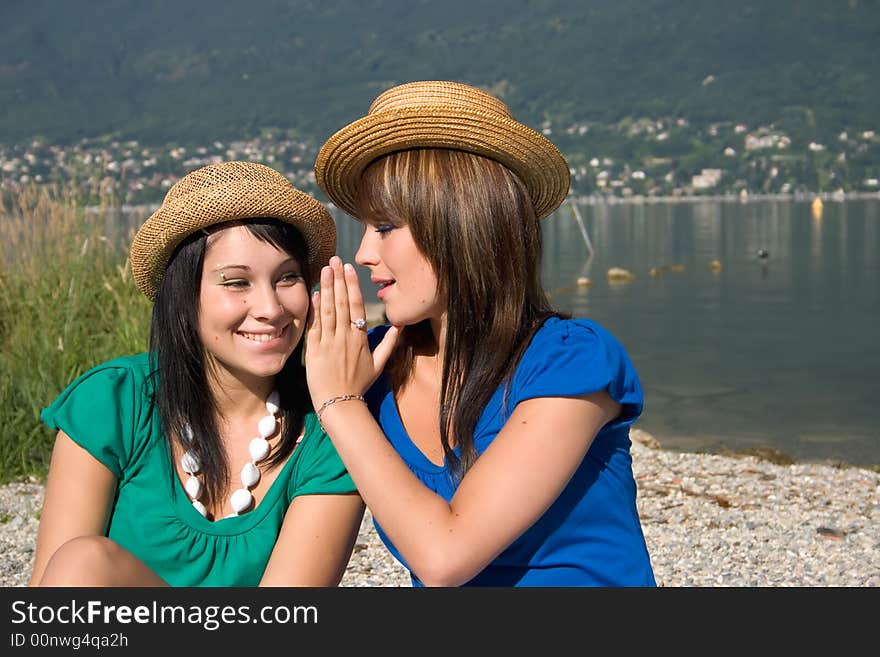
709, 521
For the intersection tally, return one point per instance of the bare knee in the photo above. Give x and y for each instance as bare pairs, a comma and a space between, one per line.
82, 561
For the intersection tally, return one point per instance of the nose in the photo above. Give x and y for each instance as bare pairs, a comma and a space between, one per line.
266, 304
366, 254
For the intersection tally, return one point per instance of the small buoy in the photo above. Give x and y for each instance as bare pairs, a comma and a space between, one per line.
762, 254
715, 265
619, 275
817, 208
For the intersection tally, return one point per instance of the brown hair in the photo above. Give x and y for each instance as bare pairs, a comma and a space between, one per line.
473, 220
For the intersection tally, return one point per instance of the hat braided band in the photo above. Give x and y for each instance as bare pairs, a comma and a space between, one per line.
463, 118
226, 192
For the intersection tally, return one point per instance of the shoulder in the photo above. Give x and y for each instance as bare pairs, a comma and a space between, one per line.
570, 357
107, 380
578, 337
319, 469
106, 410
314, 439
133, 365
575, 328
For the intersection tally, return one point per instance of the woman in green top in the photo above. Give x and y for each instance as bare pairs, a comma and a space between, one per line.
201, 463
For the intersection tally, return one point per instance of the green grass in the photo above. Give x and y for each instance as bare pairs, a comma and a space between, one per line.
67, 303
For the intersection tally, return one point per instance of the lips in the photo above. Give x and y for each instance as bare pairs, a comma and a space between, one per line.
383, 283
263, 336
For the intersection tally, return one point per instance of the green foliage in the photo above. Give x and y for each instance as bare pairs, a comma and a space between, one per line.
67, 302
196, 71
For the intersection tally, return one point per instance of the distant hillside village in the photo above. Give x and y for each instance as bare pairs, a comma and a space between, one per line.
631, 159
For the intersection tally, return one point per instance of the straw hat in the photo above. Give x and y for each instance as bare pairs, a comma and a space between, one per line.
224, 192
441, 115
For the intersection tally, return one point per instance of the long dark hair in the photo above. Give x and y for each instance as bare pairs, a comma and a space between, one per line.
472, 219
181, 391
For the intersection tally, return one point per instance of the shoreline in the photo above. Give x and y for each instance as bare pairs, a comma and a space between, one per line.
794, 197
764, 453
709, 520
603, 199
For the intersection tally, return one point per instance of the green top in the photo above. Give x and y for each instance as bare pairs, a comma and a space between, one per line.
108, 412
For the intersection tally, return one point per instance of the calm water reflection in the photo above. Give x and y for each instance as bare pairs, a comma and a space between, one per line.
779, 353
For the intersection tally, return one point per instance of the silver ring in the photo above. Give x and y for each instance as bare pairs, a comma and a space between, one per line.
359, 323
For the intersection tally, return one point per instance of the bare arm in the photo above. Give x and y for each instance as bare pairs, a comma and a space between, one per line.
79, 493
508, 489
316, 540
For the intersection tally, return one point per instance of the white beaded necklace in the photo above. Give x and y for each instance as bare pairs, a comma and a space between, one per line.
259, 449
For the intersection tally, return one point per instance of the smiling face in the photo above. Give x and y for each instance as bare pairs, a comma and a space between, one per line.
253, 305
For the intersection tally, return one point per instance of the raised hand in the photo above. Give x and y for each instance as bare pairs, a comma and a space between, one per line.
338, 357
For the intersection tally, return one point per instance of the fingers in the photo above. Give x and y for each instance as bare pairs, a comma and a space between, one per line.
340, 301
314, 328
327, 303
340, 292
355, 298
383, 350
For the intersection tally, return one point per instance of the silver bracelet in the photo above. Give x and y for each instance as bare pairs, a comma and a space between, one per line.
333, 400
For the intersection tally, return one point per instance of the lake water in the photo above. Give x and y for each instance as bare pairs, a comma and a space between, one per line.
782, 352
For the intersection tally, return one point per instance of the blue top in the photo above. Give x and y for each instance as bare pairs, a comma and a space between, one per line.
591, 534
108, 412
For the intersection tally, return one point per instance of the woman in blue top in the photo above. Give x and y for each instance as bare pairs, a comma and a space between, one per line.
493, 444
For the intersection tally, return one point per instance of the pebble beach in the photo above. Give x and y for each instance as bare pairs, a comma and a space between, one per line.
709, 521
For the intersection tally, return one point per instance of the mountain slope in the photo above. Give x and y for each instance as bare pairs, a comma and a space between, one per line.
197, 70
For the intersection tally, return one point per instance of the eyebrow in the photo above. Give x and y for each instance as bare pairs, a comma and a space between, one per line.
231, 266
246, 268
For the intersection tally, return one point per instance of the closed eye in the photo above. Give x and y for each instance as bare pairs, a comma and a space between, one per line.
235, 282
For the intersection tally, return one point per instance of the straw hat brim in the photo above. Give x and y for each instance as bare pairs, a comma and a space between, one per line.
537, 162
166, 228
